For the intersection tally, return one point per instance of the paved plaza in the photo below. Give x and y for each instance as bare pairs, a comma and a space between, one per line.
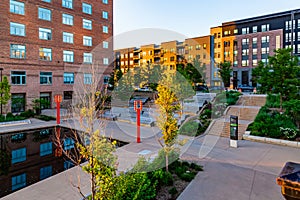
246, 172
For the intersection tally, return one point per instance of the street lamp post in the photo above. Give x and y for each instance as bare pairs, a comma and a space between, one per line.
1, 69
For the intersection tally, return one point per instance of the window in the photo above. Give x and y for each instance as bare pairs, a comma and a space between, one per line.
245, 30
87, 24
236, 31
44, 14
245, 41
68, 56
245, 52
235, 63
105, 1
265, 39
87, 78
68, 37
105, 45
265, 50
46, 149
245, 63
288, 25
204, 46
254, 41
45, 34
105, 61
45, 78
17, 29
18, 182
68, 95
105, 29
254, 62
45, 172
87, 8
265, 60
298, 23
68, 78
254, 29
67, 19
18, 103
67, 4
68, 143
17, 7
87, 41
254, 51
18, 77
18, 155
87, 57
104, 15
17, 51
48, 1
106, 79
265, 27
45, 54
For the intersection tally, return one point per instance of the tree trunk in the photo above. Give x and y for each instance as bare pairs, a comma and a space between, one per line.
167, 162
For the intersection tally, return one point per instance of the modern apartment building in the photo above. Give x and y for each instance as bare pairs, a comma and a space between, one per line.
246, 42
168, 54
44, 43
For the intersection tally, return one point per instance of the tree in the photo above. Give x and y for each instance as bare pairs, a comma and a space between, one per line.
293, 109
191, 73
115, 76
4, 92
225, 71
91, 143
279, 76
167, 103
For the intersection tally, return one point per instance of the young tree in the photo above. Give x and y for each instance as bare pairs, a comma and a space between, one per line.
4, 92
167, 103
279, 76
225, 71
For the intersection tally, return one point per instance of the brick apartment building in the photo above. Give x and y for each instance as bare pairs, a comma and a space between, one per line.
44, 43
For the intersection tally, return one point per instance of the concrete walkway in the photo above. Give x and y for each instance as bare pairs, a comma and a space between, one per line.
248, 172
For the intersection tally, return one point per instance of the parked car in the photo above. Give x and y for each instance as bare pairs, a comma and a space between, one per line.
144, 89
143, 99
245, 88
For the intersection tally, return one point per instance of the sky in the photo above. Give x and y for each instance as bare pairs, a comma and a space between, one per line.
140, 22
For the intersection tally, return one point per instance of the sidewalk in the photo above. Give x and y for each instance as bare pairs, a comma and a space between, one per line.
248, 172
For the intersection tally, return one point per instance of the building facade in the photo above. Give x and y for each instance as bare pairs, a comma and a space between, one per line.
45, 43
248, 41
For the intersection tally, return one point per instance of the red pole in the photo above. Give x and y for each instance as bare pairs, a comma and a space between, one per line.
138, 123
138, 108
57, 113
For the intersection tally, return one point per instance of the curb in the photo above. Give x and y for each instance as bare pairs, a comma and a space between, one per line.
288, 143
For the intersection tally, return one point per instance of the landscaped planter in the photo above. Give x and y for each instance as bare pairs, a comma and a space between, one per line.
289, 180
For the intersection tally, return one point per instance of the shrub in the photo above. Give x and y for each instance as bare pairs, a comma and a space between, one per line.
187, 176
196, 167
27, 114
189, 128
45, 117
173, 191
9, 115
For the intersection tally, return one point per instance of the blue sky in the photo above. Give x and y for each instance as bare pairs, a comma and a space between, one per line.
175, 20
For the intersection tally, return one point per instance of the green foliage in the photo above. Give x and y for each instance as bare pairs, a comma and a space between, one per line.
189, 128
193, 72
4, 91
173, 191
273, 101
11, 117
293, 109
45, 117
225, 71
279, 76
27, 114
267, 123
